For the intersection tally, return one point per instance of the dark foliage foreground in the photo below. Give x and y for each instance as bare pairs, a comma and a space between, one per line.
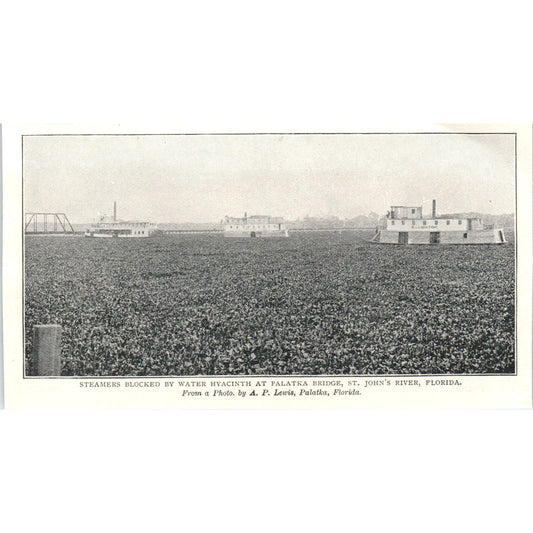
317, 303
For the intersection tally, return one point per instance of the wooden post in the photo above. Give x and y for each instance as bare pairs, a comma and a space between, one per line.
47, 350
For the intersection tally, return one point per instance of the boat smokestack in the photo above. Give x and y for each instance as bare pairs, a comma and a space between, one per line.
114, 211
434, 211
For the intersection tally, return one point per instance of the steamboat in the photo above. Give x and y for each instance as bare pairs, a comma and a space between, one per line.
407, 225
111, 227
255, 226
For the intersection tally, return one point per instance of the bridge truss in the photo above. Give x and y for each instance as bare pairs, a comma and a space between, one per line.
45, 223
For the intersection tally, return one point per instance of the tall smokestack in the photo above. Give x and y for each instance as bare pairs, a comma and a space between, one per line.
434, 212
114, 211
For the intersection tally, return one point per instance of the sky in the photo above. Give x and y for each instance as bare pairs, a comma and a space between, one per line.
202, 178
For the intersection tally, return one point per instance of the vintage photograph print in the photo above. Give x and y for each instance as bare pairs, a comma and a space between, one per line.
380, 254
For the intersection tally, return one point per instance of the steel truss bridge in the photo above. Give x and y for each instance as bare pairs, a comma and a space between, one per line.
47, 223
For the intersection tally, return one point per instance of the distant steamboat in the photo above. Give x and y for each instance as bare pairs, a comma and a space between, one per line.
255, 226
109, 227
406, 225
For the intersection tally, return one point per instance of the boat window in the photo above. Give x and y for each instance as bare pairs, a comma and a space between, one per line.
436, 222
459, 222
425, 222
465, 235
392, 222
403, 222
447, 222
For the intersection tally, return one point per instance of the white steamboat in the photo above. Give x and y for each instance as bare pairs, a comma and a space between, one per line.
111, 227
406, 225
255, 226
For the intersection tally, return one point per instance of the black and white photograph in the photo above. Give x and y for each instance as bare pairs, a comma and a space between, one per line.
290, 255
266, 266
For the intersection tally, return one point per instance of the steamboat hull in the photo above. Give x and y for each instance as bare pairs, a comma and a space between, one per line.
256, 234
423, 238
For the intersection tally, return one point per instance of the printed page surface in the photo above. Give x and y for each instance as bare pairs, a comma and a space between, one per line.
147, 268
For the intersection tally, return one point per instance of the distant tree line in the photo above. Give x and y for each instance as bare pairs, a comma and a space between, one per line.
373, 219
332, 222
